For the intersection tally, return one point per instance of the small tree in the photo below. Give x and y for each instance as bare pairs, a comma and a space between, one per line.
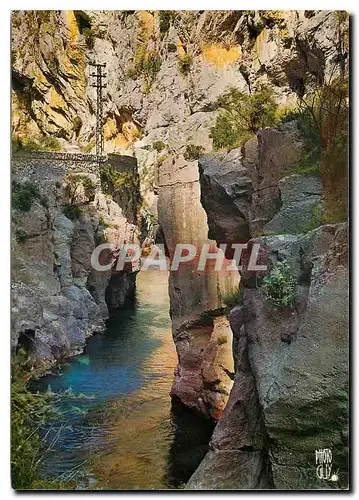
327, 106
241, 115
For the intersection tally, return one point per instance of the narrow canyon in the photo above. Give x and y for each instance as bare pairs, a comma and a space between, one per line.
216, 131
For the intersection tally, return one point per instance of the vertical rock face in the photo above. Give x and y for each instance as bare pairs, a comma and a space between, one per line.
59, 299
201, 334
290, 393
165, 72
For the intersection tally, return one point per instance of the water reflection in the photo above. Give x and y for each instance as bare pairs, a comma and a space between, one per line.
130, 436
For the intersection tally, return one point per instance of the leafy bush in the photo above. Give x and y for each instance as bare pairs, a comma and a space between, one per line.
323, 119
112, 181
89, 188
145, 63
241, 115
21, 235
23, 195
193, 152
42, 143
49, 143
77, 124
280, 285
166, 17
222, 339
159, 146
234, 298
72, 212
73, 182
108, 177
28, 414
89, 35
185, 63
151, 66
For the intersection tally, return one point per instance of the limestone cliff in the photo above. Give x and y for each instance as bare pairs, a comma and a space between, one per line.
165, 73
58, 299
290, 393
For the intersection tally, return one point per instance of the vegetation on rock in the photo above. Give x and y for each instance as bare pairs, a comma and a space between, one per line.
241, 115
279, 285
193, 152
158, 146
234, 298
42, 143
29, 412
185, 63
74, 182
166, 18
72, 212
322, 117
146, 63
21, 235
23, 195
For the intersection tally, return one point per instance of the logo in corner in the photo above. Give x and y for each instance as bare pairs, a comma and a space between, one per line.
323, 461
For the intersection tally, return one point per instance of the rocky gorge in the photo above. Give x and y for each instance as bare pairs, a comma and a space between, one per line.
275, 379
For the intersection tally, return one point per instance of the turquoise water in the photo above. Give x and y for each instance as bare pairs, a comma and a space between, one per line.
126, 433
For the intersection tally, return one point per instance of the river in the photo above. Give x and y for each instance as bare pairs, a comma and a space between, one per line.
126, 433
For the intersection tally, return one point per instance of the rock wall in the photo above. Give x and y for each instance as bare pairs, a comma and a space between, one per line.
165, 71
58, 299
203, 377
290, 393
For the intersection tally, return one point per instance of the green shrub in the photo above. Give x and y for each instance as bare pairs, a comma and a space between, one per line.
323, 120
184, 64
166, 17
23, 195
72, 212
77, 124
89, 188
28, 414
42, 143
88, 148
222, 339
151, 66
90, 36
280, 285
193, 152
31, 414
234, 298
159, 146
15, 143
21, 235
242, 115
108, 177
73, 182
49, 143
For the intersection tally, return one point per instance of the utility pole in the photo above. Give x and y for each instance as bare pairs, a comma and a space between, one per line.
99, 85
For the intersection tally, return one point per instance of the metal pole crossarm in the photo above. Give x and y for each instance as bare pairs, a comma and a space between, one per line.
99, 85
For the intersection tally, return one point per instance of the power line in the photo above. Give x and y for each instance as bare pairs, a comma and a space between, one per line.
99, 85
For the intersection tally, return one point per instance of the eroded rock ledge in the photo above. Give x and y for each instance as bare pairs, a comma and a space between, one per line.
290, 393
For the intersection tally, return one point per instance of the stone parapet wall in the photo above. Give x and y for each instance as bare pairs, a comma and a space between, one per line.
62, 163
